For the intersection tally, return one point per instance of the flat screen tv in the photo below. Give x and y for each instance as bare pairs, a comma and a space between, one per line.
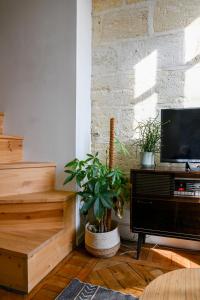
180, 135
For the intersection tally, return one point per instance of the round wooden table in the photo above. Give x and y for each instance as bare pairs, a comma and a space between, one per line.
176, 285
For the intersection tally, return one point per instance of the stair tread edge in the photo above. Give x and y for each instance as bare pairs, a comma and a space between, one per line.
38, 197
29, 253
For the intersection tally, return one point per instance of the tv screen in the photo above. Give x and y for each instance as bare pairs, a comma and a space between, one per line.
180, 135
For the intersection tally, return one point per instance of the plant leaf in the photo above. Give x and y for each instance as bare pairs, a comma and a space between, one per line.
98, 209
96, 188
72, 163
69, 178
87, 205
69, 171
107, 202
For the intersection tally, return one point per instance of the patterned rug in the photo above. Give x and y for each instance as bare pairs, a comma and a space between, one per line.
78, 290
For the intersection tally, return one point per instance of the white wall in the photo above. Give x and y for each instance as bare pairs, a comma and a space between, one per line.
83, 86
45, 71
83, 78
38, 76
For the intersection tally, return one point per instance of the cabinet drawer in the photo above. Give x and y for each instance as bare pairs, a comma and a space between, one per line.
155, 215
188, 218
153, 184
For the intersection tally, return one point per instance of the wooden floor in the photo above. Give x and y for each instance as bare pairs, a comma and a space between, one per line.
122, 272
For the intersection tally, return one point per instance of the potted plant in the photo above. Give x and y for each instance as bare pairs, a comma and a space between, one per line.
103, 188
149, 133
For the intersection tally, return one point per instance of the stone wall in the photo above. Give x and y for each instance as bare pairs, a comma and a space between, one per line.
145, 57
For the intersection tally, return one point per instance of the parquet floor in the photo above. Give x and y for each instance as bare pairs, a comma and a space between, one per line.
122, 272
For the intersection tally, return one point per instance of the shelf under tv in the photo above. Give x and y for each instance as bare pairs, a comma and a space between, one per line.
155, 210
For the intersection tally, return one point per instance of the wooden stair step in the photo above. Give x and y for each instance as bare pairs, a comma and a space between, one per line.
26, 177
41, 197
25, 243
34, 211
11, 149
28, 250
1, 122
26, 259
26, 164
11, 137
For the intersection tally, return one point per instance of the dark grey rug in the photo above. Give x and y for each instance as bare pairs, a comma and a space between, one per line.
78, 290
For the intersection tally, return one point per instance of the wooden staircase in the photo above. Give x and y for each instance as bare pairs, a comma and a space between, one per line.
37, 223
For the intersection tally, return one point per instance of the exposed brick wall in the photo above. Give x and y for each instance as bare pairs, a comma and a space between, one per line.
134, 41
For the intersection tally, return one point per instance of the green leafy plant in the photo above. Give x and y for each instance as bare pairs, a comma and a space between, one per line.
101, 188
149, 133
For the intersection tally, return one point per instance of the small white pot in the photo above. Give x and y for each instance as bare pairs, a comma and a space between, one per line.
147, 159
104, 244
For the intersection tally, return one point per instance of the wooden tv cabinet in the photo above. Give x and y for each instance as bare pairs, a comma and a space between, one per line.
165, 202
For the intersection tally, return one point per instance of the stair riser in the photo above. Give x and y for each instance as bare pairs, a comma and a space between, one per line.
11, 150
13, 271
26, 180
21, 271
31, 216
1, 122
43, 262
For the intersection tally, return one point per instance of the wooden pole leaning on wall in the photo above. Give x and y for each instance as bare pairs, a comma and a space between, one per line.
111, 144
111, 163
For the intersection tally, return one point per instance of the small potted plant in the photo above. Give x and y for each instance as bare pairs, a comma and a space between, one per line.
149, 133
102, 188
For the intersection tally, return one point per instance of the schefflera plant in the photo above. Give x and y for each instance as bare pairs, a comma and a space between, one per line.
101, 188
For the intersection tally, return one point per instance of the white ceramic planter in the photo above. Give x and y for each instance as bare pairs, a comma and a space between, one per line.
147, 159
104, 244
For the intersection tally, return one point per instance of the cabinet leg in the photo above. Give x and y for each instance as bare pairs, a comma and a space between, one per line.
141, 239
